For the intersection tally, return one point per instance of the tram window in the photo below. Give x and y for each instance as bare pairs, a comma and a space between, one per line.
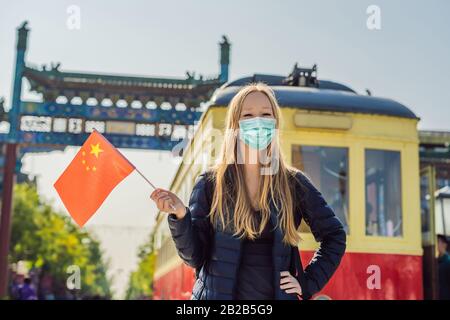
328, 169
383, 193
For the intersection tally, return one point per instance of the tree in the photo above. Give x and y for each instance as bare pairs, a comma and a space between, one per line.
140, 285
48, 241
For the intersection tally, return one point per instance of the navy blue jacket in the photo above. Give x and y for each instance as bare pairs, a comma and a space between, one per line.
215, 254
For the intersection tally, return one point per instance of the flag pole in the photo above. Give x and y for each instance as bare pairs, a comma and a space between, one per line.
145, 178
137, 170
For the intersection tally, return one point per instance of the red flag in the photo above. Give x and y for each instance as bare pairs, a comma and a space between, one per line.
96, 170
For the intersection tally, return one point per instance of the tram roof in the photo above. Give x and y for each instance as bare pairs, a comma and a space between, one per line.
328, 96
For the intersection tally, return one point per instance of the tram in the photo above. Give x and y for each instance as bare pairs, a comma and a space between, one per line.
361, 151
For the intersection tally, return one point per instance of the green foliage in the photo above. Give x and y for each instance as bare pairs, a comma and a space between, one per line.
141, 280
49, 241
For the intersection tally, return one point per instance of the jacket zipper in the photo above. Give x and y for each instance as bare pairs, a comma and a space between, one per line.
237, 270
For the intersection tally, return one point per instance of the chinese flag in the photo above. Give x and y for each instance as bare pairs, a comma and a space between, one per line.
96, 170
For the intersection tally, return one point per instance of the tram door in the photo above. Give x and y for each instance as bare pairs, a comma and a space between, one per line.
427, 209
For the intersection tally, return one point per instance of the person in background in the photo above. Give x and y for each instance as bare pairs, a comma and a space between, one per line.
444, 268
16, 284
27, 292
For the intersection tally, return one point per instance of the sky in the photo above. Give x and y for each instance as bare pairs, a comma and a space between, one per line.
406, 59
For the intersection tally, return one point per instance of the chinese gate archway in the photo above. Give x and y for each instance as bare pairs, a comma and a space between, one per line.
131, 112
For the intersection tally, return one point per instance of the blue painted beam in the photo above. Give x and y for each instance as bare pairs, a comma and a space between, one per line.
24, 149
101, 113
62, 140
118, 140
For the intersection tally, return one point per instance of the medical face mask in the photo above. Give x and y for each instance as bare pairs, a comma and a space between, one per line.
257, 132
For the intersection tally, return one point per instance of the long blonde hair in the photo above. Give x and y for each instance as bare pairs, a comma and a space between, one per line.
230, 189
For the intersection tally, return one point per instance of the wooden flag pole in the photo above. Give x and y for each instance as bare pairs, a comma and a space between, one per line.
145, 178
151, 184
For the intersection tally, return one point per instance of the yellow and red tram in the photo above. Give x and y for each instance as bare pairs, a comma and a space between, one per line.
362, 152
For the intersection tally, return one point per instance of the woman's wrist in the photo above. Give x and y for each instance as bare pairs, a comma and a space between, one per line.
180, 213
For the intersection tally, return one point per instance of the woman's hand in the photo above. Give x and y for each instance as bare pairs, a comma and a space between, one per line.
289, 283
168, 202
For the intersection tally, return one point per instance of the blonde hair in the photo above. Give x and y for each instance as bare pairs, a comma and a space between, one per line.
230, 190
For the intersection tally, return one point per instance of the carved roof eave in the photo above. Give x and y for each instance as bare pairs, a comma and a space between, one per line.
43, 81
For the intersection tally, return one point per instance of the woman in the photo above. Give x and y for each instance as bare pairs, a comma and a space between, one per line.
240, 229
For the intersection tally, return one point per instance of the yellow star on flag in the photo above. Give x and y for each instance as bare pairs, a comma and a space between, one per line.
95, 149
